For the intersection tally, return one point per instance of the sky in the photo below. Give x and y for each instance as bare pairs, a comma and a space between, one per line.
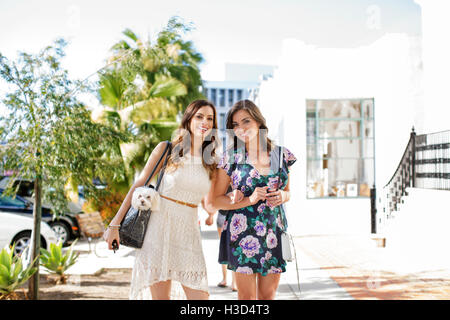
232, 31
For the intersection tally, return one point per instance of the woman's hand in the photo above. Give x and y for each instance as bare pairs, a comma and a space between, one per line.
210, 220
259, 194
275, 198
235, 196
110, 235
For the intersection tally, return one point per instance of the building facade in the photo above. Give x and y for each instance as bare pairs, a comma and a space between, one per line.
241, 82
346, 113
223, 94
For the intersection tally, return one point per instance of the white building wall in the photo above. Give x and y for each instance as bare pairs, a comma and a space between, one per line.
389, 70
436, 62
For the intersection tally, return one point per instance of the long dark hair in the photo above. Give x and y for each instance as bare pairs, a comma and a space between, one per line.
181, 142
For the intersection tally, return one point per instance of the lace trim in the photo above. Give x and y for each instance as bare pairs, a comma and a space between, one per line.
143, 278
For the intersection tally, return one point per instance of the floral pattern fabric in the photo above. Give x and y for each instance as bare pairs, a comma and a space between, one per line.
251, 238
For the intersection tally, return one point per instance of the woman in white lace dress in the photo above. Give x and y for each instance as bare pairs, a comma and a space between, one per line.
172, 251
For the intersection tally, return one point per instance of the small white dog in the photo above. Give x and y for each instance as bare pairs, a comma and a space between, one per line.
145, 198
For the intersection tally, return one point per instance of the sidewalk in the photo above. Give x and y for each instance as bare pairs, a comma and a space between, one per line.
331, 267
314, 282
365, 271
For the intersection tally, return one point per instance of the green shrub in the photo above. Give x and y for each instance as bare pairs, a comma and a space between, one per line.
12, 274
57, 262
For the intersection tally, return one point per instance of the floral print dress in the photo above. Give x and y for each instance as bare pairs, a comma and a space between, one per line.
251, 238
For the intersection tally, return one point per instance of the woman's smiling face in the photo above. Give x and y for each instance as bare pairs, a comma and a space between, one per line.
202, 122
244, 126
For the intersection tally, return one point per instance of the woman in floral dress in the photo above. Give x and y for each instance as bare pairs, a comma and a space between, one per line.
250, 243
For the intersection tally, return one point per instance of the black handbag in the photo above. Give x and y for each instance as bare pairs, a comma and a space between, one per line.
134, 225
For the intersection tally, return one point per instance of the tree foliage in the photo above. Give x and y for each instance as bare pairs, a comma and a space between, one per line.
145, 82
48, 133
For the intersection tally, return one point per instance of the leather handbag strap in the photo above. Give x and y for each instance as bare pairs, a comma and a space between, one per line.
283, 217
168, 144
161, 172
280, 166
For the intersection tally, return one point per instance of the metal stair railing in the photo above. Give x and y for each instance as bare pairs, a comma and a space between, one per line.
425, 164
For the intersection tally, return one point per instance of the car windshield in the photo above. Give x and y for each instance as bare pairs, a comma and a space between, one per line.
6, 201
26, 189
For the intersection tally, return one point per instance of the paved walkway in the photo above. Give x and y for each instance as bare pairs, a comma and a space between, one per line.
315, 283
365, 271
330, 267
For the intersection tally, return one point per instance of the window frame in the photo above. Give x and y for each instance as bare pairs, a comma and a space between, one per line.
362, 139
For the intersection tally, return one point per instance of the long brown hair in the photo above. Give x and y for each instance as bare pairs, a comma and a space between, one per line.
181, 143
247, 105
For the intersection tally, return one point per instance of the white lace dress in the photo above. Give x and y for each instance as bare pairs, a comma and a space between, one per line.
172, 248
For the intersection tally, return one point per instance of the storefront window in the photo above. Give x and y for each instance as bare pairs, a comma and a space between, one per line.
340, 148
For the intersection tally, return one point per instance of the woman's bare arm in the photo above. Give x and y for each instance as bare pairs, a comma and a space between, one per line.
207, 201
151, 163
218, 199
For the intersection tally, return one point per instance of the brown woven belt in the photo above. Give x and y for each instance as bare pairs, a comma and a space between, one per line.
180, 202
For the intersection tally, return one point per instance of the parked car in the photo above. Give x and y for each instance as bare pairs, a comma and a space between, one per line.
16, 228
65, 225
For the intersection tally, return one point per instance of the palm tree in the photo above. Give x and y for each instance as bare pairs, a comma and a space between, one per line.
146, 83
184, 60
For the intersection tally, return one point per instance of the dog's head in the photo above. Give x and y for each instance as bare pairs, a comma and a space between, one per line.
145, 198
